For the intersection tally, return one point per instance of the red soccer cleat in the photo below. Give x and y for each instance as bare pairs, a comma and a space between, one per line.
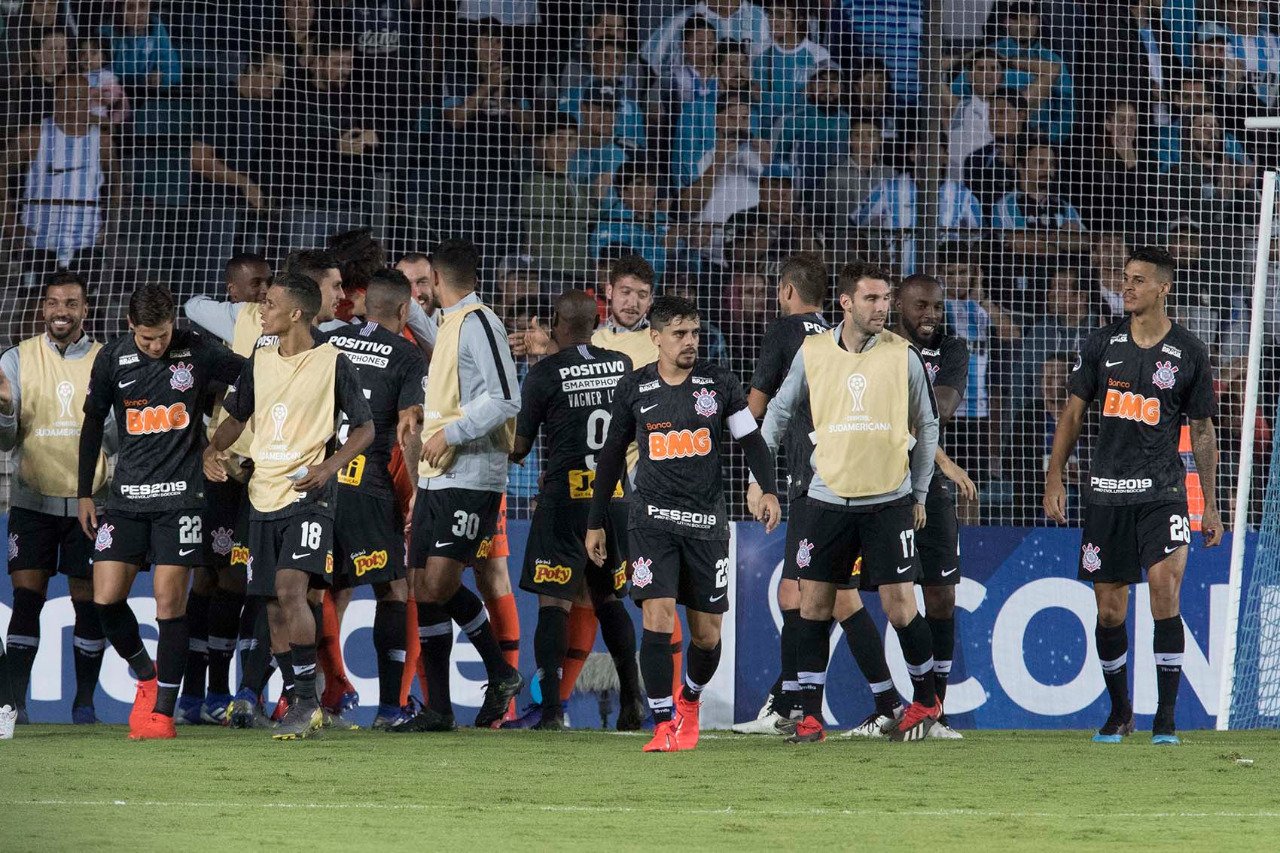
808, 730
144, 703
282, 708
665, 738
153, 727
687, 721
916, 722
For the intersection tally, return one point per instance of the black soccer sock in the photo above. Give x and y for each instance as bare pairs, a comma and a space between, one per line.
1113, 653
224, 619
867, 647
197, 645
435, 636
699, 668
388, 644
550, 645
812, 655
303, 664
23, 640
619, 635
317, 613
6, 692
943, 632
917, 651
788, 698
171, 662
468, 611
88, 644
1168, 644
658, 670
120, 626
252, 659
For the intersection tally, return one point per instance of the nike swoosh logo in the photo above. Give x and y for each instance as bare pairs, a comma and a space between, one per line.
718, 597
300, 556
126, 384
442, 544
1114, 363
902, 570
1171, 550
950, 572
182, 552
644, 409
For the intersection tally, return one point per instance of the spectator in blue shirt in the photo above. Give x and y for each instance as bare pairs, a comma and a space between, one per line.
815, 136
783, 70
141, 53
1067, 319
607, 68
638, 222
730, 21
1043, 222
992, 170
889, 32
599, 155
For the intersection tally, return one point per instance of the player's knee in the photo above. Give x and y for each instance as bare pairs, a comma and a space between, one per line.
705, 634
660, 615
788, 594
848, 603
81, 589
940, 602
170, 603
396, 590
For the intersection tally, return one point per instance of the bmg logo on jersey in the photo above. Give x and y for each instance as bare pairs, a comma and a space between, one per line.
154, 419
679, 444
1132, 407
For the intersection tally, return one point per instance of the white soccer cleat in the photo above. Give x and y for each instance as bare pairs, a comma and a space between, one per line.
944, 731
8, 720
765, 722
872, 726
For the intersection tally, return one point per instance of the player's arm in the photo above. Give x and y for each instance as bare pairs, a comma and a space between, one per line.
238, 404
498, 403
349, 399
423, 328
771, 369
216, 318
224, 365
533, 412
97, 404
409, 402
782, 408
1070, 422
1202, 408
922, 411
746, 431
10, 398
610, 463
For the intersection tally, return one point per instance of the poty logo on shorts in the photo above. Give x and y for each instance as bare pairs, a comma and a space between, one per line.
103, 542
804, 553
544, 572
620, 576
366, 563
222, 541
641, 576
13, 546
1163, 378
239, 555
704, 402
1092, 562
182, 378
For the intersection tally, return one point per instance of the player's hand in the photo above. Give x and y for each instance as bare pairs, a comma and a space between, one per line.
595, 543
316, 476
214, 471
754, 494
770, 512
435, 448
919, 516
1055, 499
88, 514
6, 394
408, 427
960, 477
533, 341
1211, 527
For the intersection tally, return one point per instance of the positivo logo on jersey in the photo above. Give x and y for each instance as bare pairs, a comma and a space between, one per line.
704, 402
1165, 375
1129, 406
183, 378
103, 542
1091, 561
240, 555
222, 541
641, 575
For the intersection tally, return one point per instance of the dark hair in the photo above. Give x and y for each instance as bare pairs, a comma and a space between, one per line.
695, 23
552, 125
958, 252
855, 271
151, 305
577, 310
66, 278
359, 256
634, 170
667, 309
458, 260
807, 273
245, 259
633, 265
919, 280
413, 258
1158, 257
309, 262
303, 290
388, 289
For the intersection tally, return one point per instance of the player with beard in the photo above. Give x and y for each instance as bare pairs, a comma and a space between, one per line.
922, 308
43, 381
154, 380
675, 411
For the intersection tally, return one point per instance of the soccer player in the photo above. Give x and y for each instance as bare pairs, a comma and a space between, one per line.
294, 392
472, 399
43, 381
1149, 372
154, 380
675, 411
921, 307
570, 394
368, 528
876, 431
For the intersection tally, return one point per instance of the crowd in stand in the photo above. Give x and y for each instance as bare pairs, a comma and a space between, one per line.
1014, 148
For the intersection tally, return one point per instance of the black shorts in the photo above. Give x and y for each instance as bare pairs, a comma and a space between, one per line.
227, 503
1118, 542
833, 538
795, 526
555, 558
939, 541
368, 539
451, 523
303, 542
174, 538
50, 543
695, 572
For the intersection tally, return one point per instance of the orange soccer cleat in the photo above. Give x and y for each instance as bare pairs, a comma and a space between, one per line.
153, 727
144, 702
665, 738
687, 722
916, 722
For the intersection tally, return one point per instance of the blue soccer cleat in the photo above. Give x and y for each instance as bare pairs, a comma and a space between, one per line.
188, 713
83, 715
390, 716
1117, 726
529, 718
215, 710
246, 713
1165, 740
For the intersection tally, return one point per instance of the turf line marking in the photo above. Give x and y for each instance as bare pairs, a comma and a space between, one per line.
814, 812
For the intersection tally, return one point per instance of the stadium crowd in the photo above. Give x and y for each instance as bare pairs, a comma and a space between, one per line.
1017, 149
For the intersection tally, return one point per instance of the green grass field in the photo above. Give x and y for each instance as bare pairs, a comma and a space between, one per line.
91, 789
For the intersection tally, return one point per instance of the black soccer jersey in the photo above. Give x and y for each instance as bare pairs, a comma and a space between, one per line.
571, 394
1145, 393
947, 363
391, 372
158, 404
778, 349
678, 428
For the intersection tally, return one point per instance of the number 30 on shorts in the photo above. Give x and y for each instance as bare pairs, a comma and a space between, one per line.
465, 524
1179, 529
